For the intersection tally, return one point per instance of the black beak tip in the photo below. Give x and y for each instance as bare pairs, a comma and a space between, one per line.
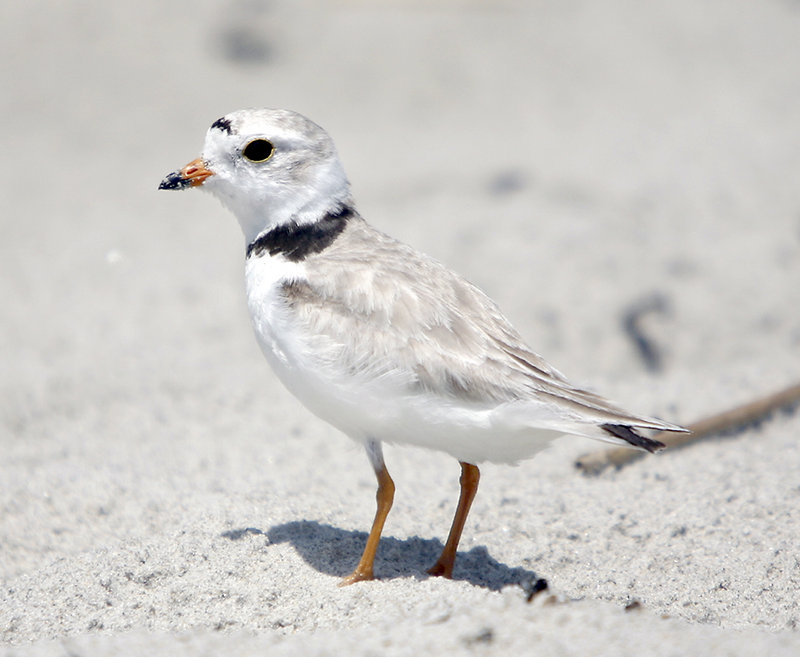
174, 181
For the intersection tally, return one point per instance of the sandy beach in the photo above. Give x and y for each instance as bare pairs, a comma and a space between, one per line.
586, 164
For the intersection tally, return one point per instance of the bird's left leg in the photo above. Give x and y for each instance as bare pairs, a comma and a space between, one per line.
470, 476
385, 497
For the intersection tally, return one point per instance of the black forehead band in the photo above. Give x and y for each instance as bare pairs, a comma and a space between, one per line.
222, 124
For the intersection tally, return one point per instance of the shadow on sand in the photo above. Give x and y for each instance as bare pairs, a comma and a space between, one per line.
336, 551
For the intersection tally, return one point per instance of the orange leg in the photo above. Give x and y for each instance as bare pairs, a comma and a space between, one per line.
385, 497
470, 476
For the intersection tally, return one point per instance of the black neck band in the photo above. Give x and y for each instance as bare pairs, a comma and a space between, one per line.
297, 242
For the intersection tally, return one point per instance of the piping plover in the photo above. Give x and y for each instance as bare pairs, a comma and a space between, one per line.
379, 340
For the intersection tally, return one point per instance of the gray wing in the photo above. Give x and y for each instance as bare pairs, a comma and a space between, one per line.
389, 310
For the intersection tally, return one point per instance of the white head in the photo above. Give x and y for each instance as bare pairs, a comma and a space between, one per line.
269, 167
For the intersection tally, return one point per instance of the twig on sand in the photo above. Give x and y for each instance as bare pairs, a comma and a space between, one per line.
736, 418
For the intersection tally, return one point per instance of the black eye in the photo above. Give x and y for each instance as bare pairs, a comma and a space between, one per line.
258, 150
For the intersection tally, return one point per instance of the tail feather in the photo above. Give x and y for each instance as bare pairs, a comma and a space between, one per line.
630, 436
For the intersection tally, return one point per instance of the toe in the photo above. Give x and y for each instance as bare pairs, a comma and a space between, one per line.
357, 576
440, 569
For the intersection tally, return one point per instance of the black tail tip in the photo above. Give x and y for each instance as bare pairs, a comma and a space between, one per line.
630, 436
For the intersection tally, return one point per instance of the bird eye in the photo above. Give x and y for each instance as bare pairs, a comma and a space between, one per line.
258, 150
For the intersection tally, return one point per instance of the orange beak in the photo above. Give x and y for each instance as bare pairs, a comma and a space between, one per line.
193, 174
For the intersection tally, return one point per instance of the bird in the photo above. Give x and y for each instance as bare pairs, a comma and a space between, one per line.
381, 341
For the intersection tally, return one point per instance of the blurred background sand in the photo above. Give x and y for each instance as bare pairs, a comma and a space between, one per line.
160, 493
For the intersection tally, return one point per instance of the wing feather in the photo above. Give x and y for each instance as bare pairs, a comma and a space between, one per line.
384, 310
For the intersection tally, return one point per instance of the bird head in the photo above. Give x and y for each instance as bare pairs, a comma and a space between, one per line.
269, 167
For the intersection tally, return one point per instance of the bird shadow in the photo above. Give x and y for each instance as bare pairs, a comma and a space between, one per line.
335, 551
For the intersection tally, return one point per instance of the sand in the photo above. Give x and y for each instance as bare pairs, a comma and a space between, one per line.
161, 494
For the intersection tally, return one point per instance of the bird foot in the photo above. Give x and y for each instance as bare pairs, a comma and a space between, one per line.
440, 569
357, 575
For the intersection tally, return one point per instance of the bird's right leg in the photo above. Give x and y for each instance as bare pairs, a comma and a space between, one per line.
384, 497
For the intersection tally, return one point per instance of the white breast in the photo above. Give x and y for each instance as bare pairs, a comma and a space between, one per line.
304, 363
264, 277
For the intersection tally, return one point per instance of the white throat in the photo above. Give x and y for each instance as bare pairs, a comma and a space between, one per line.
261, 208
